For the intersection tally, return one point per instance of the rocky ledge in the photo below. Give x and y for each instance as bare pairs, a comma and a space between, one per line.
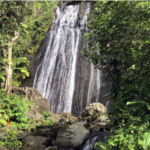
67, 132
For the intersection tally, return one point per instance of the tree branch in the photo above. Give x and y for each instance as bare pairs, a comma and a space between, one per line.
15, 37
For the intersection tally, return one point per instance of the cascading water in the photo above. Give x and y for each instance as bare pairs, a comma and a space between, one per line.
90, 144
94, 138
57, 70
95, 75
68, 82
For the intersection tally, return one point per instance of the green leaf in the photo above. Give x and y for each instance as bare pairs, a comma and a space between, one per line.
2, 75
2, 121
146, 141
25, 26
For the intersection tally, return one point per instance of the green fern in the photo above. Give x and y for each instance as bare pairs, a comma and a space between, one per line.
16, 82
23, 70
100, 146
20, 60
2, 75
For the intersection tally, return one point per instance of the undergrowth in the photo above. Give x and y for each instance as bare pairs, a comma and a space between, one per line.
11, 140
13, 111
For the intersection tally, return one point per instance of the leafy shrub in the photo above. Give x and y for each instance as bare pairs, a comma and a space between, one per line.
12, 109
46, 114
48, 122
131, 129
11, 140
127, 137
124, 59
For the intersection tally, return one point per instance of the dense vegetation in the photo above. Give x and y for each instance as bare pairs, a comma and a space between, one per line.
13, 111
23, 26
119, 42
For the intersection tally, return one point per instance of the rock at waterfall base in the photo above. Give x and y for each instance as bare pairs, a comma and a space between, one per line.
101, 122
35, 143
54, 117
95, 116
34, 114
69, 117
3, 148
95, 110
70, 136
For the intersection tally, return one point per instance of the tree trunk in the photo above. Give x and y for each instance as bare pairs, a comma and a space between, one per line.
8, 70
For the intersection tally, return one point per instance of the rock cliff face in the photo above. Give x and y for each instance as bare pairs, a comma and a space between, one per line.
87, 84
70, 136
34, 61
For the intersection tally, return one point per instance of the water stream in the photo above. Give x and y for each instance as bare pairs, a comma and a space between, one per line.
94, 138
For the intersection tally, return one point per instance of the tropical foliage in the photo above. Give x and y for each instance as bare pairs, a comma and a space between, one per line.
12, 110
119, 45
12, 14
22, 27
11, 140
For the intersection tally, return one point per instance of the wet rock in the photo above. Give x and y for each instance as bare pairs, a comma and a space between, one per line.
69, 117
95, 110
86, 119
94, 128
95, 117
70, 136
23, 134
3, 148
42, 131
54, 117
101, 122
62, 118
35, 143
52, 133
34, 114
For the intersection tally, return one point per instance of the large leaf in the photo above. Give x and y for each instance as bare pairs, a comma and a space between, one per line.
23, 70
139, 102
146, 141
100, 146
20, 60
2, 121
2, 75
24, 26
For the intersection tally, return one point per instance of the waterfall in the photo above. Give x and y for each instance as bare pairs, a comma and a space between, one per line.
65, 79
95, 75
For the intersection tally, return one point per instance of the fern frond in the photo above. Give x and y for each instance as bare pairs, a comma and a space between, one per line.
23, 70
2, 75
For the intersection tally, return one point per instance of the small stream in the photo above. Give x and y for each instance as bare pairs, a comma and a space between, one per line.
93, 138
